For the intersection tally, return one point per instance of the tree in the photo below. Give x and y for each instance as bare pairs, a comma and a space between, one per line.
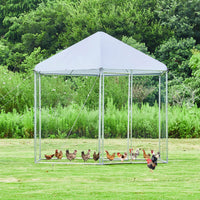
181, 16
194, 63
176, 54
4, 52
187, 91
13, 8
55, 25
137, 45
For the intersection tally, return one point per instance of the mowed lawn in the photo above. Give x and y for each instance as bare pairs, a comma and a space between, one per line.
21, 178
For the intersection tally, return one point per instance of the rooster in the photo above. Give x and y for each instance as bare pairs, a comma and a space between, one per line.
95, 156
49, 157
154, 157
85, 156
122, 156
151, 161
110, 157
71, 156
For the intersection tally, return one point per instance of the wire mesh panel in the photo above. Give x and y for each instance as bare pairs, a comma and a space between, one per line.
120, 114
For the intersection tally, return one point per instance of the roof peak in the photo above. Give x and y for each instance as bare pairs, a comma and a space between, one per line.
100, 50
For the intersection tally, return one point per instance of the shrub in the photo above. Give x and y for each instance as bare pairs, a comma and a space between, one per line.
59, 122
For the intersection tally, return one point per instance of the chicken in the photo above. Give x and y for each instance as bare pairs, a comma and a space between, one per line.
151, 161
88, 153
154, 157
137, 152
146, 156
96, 156
49, 157
71, 156
157, 155
85, 156
59, 155
110, 157
56, 153
134, 155
122, 156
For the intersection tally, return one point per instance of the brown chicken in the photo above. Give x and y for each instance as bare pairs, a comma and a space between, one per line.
85, 156
56, 153
95, 156
146, 156
110, 157
122, 156
59, 155
49, 157
71, 156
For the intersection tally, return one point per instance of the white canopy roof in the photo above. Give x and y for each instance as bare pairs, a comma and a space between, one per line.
97, 52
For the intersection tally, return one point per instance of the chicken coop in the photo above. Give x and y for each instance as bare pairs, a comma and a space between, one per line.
140, 123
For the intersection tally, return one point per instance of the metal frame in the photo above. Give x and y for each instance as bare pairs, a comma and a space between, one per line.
37, 118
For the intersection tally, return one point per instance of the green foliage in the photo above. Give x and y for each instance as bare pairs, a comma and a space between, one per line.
132, 42
183, 122
195, 63
187, 91
117, 89
184, 93
181, 16
4, 52
176, 54
13, 8
59, 122
32, 30
56, 25
16, 91
85, 88
31, 60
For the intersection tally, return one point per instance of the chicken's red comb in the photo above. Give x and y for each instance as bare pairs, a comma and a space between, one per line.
151, 151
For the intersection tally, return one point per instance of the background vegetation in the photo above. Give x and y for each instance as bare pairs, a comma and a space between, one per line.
33, 30
183, 122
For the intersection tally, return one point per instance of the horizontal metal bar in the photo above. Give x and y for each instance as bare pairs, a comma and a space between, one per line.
105, 162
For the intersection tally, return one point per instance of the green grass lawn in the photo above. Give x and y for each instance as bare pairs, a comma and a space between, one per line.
21, 178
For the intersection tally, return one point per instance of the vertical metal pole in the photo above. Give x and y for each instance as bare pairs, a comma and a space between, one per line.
39, 117
166, 117
159, 117
128, 128
102, 118
131, 106
100, 75
35, 116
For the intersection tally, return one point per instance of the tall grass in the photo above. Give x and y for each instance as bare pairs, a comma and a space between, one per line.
59, 122
184, 122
